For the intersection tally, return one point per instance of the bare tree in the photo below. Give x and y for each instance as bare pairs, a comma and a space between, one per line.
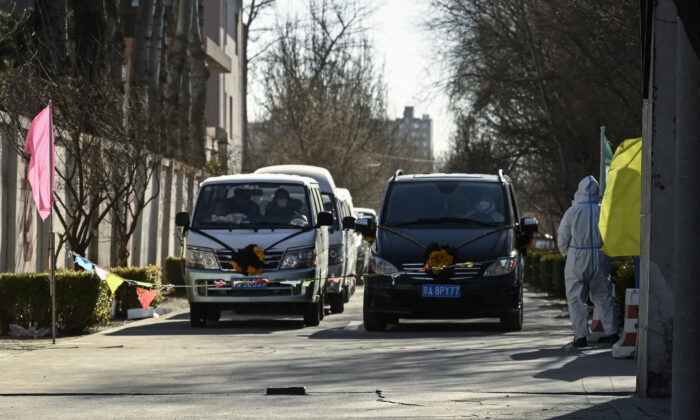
324, 101
532, 82
252, 12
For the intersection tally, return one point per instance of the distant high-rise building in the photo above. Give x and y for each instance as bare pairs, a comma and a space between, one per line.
416, 134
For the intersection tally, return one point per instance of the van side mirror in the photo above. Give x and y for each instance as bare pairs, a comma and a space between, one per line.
348, 222
182, 219
529, 225
528, 228
367, 228
325, 218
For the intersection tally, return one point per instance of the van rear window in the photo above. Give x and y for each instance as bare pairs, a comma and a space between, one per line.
448, 201
247, 205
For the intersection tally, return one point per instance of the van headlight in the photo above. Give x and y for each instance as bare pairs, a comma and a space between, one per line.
382, 266
335, 254
298, 258
201, 258
502, 266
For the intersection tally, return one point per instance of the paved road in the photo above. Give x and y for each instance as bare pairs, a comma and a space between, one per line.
163, 368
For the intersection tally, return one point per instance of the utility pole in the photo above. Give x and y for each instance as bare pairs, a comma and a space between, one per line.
685, 402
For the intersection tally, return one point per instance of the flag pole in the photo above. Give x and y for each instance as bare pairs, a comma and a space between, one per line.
601, 180
52, 235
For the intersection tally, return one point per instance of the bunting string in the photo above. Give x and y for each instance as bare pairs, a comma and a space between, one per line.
148, 291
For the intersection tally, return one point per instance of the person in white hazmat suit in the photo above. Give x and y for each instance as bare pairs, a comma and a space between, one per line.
587, 268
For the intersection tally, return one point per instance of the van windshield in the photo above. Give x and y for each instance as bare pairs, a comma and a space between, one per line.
249, 205
438, 202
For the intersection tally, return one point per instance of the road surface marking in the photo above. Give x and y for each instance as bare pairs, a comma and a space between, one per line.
353, 326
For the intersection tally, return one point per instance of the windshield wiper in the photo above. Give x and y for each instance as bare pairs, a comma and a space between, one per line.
438, 220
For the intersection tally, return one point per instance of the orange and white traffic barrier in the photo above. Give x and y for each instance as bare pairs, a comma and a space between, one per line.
627, 345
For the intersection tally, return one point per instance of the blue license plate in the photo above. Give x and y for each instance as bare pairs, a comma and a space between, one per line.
248, 283
441, 290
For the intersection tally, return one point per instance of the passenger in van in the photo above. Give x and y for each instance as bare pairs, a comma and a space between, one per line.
220, 211
243, 204
485, 210
282, 204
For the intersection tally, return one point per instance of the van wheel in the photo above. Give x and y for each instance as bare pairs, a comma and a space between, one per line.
372, 321
514, 321
337, 304
313, 314
346, 294
198, 315
214, 316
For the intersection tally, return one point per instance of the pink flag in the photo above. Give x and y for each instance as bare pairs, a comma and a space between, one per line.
40, 174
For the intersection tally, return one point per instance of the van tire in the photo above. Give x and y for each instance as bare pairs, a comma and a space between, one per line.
372, 322
214, 316
313, 314
337, 303
198, 315
346, 294
513, 321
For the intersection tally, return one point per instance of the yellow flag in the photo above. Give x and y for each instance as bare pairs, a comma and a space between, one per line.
620, 212
113, 281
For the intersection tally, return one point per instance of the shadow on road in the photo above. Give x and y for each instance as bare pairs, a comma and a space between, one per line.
180, 325
581, 366
413, 329
628, 408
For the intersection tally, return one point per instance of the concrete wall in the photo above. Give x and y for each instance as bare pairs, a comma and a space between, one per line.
24, 237
658, 203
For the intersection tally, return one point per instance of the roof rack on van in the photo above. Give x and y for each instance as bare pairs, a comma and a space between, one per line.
398, 172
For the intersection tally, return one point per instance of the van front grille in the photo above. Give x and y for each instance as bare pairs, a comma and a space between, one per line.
272, 259
460, 273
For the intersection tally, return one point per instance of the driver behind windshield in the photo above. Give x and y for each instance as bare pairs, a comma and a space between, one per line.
283, 205
484, 209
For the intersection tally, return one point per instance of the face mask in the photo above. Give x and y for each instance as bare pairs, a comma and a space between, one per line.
282, 202
484, 205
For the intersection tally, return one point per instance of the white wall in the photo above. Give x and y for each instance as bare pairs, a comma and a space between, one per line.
24, 237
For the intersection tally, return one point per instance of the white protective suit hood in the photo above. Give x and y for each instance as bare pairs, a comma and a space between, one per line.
588, 191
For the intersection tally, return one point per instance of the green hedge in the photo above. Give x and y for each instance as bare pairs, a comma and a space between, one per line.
82, 301
126, 296
545, 272
173, 273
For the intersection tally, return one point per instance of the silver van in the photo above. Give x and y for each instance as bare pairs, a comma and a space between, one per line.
256, 243
340, 286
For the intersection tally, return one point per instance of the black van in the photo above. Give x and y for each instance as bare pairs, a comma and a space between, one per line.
447, 246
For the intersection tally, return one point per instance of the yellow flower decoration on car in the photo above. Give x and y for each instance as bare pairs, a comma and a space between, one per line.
438, 260
236, 267
254, 271
259, 253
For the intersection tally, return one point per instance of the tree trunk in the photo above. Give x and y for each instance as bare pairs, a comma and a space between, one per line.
175, 92
140, 69
51, 34
156, 47
198, 84
245, 159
